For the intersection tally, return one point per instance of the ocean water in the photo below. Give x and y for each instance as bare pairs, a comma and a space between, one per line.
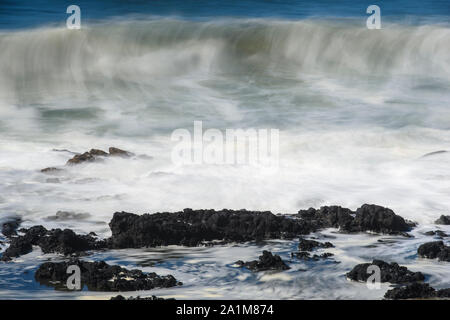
356, 110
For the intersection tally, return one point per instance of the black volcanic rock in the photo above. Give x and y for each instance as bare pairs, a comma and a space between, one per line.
304, 255
392, 273
417, 291
433, 250
438, 233
267, 261
51, 241
195, 227
100, 276
366, 218
10, 227
309, 245
412, 291
443, 220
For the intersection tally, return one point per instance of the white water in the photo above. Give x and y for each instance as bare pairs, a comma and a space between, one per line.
356, 110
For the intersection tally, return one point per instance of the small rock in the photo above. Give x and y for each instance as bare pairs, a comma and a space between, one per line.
443, 220
118, 152
267, 261
412, 291
433, 250
392, 273
309, 245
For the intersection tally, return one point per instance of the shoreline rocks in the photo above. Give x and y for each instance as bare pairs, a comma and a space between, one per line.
445, 220
416, 291
9, 228
433, 250
267, 261
51, 241
309, 245
392, 273
100, 276
368, 217
97, 155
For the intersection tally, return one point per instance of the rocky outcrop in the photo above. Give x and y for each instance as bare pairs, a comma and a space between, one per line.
304, 255
195, 227
267, 261
51, 241
100, 276
443, 220
96, 155
433, 250
416, 291
9, 228
366, 218
309, 245
392, 273
437, 233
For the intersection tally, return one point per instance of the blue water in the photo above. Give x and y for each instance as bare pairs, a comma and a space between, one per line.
26, 14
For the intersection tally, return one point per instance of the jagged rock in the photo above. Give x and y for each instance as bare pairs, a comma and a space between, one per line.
195, 227
438, 233
309, 245
303, 255
51, 241
443, 220
98, 153
100, 276
366, 218
120, 297
118, 152
392, 273
51, 170
433, 250
9, 228
417, 291
267, 261
85, 157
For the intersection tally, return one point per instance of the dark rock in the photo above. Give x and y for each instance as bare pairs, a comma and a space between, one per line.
267, 261
98, 153
120, 297
412, 291
65, 215
85, 157
9, 228
309, 245
443, 293
438, 233
195, 227
99, 276
443, 220
51, 241
392, 273
118, 152
51, 170
367, 218
433, 250
303, 255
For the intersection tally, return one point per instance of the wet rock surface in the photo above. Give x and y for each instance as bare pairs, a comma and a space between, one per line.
392, 273
9, 228
433, 250
366, 218
51, 241
100, 276
267, 261
443, 220
416, 291
309, 245
195, 227
304, 255
98, 155
437, 233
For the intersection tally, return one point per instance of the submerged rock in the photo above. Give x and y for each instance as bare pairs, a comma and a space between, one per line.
366, 218
66, 215
195, 227
416, 291
51, 241
443, 220
309, 245
433, 250
303, 255
100, 276
97, 154
51, 170
118, 152
267, 261
392, 273
438, 233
